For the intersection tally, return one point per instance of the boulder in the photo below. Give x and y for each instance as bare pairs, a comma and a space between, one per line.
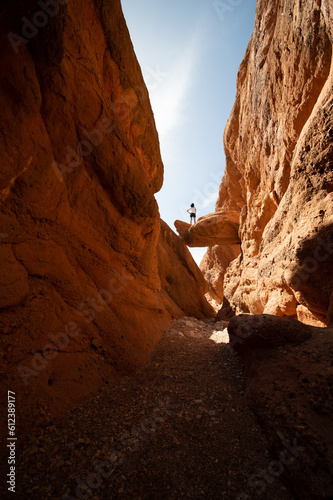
262, 331
219, 228
182, 227
288, 369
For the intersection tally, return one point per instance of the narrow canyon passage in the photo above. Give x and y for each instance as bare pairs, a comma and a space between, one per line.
91, 276
180, 428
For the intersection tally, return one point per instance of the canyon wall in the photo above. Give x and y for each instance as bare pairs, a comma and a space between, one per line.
81, 298
278, 182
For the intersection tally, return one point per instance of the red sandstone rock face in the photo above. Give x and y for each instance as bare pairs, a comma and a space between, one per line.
215, 263
279, 165
80, 292
182, 282
217, 228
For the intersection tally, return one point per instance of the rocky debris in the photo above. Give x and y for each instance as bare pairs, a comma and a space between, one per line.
79, 224
175, 332
278, 179
179, 428
96, 343
290, 388
198, 329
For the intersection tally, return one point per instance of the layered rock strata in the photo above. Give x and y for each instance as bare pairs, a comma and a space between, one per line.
80, 290
279, 166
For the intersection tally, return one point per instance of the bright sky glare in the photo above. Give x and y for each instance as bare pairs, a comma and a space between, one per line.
189, 52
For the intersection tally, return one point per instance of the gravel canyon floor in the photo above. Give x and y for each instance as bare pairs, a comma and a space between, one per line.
180, 428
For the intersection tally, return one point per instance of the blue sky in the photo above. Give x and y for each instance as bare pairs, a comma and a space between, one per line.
189, 52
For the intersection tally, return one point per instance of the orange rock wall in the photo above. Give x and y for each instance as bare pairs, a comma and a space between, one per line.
80, 292
182, 281
215, 264
279, 164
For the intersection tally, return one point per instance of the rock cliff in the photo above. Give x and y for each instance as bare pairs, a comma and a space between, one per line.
278, 189
80, 290
278, 181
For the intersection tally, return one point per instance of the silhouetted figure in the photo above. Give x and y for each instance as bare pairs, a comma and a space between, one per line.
193, 214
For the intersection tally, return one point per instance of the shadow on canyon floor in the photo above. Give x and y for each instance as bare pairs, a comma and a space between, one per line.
180, 428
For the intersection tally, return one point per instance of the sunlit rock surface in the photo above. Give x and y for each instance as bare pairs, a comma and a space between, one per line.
215, 263
279, 165
217, 228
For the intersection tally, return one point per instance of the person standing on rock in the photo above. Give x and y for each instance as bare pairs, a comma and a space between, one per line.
193, 214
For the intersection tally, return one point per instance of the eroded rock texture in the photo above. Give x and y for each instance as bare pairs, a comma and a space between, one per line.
80, 291
221, 231
279, 165
215, 264
182, 281
212, 229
